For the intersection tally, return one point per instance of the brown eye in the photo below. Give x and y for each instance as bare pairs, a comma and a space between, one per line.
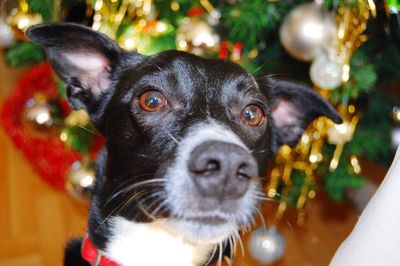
253, 115
151, 101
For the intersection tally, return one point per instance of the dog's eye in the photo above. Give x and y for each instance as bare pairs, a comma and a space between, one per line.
151, 101
253, 115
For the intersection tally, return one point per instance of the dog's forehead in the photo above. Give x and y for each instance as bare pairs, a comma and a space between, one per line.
193, 72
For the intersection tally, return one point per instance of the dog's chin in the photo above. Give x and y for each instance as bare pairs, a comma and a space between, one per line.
203, 230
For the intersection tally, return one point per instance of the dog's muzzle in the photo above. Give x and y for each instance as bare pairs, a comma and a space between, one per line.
212, 185
221, 170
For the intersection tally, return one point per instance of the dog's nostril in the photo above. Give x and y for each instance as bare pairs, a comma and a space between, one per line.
242, 172
212, 166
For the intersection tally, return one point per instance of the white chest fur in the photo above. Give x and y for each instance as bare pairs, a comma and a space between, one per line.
149, 244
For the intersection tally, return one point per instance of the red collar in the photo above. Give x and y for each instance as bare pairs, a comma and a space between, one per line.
94, 256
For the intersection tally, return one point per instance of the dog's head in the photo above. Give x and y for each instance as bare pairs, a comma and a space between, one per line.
187, 138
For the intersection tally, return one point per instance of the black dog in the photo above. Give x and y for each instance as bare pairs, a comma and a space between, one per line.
186, 140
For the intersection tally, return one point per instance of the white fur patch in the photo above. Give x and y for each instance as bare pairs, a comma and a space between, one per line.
151, 244
203, 132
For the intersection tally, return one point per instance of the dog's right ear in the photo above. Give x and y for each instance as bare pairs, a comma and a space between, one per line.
84, 59
293, 108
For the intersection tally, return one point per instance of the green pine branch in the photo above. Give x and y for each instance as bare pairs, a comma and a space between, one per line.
24, 54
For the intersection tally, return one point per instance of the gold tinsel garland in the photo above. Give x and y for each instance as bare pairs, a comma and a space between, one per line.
307, 155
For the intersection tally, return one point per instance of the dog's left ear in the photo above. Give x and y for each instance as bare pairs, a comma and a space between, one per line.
293, 107
84, 59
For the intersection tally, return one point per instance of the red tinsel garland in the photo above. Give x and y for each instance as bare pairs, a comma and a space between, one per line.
49, 156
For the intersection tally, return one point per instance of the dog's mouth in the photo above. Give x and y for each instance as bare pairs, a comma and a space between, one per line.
208, 220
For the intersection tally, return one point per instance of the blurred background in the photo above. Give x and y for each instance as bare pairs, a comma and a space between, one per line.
347, 50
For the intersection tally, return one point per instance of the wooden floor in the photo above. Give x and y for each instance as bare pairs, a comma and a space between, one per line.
35, 220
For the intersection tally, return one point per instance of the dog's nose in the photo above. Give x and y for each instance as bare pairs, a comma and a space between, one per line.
222, 170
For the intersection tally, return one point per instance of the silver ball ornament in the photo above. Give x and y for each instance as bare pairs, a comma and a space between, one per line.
267, 245
307, 30
326, 73
39, 114
395, 135
7, 37
38, 117
80, 180
395, 132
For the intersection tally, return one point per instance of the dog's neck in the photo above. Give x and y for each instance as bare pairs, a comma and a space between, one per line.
151, 244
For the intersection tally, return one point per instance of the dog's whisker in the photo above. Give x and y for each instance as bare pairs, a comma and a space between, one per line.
147, 208
157, 210
250, 223
212, 255
259, 193
238, 238
264, 199
109, 215
123, 183
232, 247
141, 155
263, 80
152, 195
288, 223
160, 195
261, 217
270, 75
133, 178
264, 178
260, 67
154, 181
142, 199
220, 254
157, 66
262, 194
124, 204
276, 198
163, 207
258, 152
121, 206
173, 138
88, 130
153, 215
258, 196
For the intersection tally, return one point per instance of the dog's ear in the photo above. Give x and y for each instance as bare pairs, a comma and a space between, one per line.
84, 59
293, 107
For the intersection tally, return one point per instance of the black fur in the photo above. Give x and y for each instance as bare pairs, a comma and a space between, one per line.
73, 254
138, 143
